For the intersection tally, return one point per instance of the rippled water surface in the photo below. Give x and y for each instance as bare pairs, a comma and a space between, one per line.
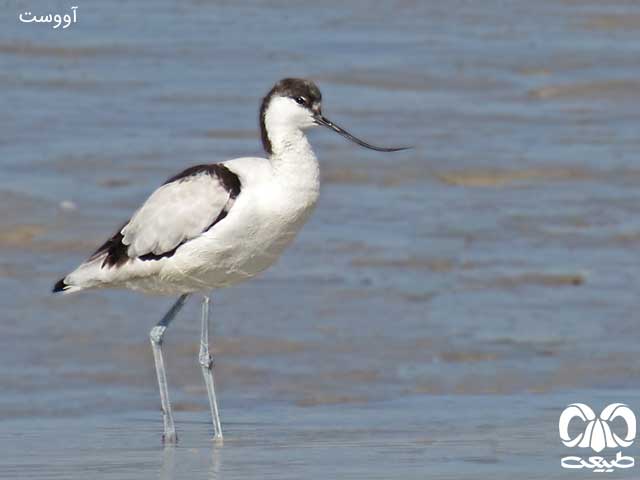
437, 313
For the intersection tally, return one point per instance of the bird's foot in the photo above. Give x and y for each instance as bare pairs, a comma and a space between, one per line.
170, 438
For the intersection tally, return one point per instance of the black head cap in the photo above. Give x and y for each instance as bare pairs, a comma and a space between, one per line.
303, 91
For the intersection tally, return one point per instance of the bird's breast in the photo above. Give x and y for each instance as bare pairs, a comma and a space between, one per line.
261, 224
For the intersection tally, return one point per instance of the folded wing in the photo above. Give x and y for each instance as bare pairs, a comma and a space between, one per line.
185, 207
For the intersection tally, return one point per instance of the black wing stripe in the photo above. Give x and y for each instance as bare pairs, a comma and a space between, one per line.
229, 180
116, 250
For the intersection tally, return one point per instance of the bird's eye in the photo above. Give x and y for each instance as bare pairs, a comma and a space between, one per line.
301, 100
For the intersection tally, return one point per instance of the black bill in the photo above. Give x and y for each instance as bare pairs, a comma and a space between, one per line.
323, 121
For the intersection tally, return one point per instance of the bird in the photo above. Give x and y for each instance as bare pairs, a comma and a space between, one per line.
215, 225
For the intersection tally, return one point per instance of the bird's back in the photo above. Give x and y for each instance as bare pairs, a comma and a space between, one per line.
209, 226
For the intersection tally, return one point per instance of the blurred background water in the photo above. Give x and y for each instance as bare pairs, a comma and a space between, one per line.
437, 313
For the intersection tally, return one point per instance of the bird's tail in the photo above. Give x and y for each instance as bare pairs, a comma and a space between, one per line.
61, 286
87, 275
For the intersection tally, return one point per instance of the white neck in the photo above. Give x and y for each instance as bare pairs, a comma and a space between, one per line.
292, 158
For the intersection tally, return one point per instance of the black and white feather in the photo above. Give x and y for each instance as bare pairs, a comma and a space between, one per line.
185, 207
215, 225
180, 210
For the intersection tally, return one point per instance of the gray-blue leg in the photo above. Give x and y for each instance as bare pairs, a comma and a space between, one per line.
156, 336
206, 362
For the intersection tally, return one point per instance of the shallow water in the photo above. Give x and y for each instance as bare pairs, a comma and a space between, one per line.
437, 313
472, 438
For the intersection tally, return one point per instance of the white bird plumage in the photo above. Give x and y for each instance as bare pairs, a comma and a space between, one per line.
215, 225
174, 244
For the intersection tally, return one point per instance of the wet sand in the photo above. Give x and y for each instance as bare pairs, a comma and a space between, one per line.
437, 313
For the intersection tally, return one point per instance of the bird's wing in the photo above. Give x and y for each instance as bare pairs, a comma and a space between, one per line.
187, 205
